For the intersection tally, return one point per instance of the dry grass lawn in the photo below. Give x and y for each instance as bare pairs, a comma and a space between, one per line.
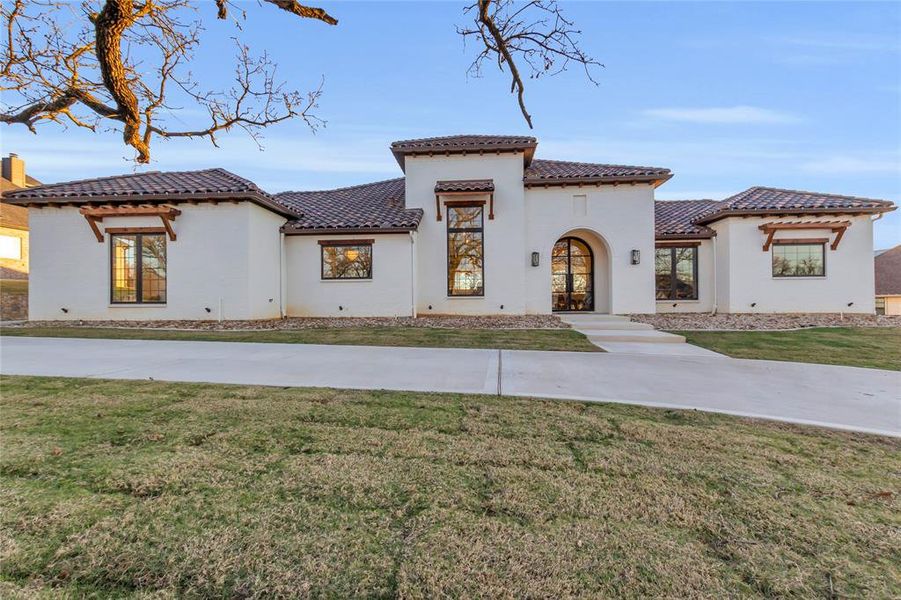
874, 348
140, 489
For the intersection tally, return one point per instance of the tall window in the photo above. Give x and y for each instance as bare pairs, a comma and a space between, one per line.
347, 260
677, 273
799, 260
138, 268
465, 251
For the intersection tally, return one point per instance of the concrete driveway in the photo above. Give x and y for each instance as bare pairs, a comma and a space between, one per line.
865, 400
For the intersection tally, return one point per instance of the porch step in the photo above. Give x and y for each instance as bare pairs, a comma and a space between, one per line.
643, 336
600, 326
578, 319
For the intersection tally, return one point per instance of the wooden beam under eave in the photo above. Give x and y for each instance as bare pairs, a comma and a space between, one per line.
438, 207
491, 206
769, 240
92, 221
167, 223
838, 237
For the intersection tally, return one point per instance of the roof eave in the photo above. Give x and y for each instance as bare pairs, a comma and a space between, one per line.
288, 230
256, 198
527, 150
757, 212
655, 180
684, 236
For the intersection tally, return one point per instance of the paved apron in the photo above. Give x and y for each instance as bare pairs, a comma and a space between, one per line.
866, 400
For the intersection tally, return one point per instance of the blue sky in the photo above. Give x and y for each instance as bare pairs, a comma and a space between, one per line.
728, 95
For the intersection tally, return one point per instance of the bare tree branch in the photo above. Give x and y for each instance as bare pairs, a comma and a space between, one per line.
535, 32
76, 66
125, 64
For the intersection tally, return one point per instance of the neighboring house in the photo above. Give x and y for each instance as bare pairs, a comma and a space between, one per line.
888, 281
476, 226
14, 220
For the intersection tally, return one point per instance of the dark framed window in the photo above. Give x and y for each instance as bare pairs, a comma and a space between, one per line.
138, 268
880, 306
676, 272
347, 260
465, 250
799, 259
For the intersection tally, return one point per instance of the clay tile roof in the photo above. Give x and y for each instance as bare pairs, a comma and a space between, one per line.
154, 183
888, 272
561, 171
366, 207
465, 185
151, 186
457, 144
673, 219
757, 200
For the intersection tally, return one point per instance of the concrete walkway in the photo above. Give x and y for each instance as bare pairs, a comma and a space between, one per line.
618, 333
865, 400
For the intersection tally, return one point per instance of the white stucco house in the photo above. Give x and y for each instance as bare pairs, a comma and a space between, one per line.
476, 225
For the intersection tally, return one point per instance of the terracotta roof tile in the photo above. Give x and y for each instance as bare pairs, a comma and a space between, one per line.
758, 200
888, 272
378, 205
562, 171
458, 144
154, 183
673, 218
151, 186
465, 185
467, 143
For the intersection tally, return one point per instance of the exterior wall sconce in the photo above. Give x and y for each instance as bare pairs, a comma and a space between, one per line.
636, 257
535, 259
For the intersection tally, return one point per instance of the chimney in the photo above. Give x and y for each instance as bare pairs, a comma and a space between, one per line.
14, 170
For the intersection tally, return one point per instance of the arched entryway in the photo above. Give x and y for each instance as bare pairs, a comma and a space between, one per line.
572, 275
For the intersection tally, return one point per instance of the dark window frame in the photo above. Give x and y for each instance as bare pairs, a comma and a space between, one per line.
672, 297
796, 243
569, 275
451, 230
139, 268
345, 244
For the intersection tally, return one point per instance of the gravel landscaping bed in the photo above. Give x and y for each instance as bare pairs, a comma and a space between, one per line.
432, 321
748, 322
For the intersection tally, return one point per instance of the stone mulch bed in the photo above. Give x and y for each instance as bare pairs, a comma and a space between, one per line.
747, 322
433, 321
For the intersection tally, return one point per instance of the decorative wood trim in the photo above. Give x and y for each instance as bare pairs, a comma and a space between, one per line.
838, 238
133, 230
465, 202
491, 207
346, 242
130, 211
95, 214
799, 241
438, 206
677, 244
836, 227
92, 221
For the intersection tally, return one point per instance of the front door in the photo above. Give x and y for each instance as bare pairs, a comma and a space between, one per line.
572, 271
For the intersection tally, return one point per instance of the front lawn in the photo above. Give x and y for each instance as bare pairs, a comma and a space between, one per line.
425, 337
150, 489
877, 348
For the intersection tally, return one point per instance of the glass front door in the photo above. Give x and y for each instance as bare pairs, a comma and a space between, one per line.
572, 271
